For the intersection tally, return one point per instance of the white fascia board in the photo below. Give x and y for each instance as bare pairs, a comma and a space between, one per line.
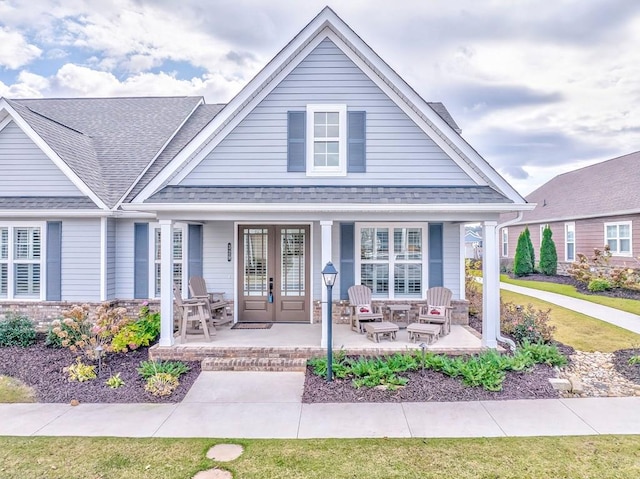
52, 155
162, 148
54, 213
560, 219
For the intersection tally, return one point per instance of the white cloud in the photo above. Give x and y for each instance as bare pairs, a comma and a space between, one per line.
16, 51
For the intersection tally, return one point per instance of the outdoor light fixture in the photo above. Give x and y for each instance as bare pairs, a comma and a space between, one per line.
329, 274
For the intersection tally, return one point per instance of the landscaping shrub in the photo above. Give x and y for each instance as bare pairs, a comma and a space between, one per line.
80, 371
150, 368
16, 330
586, 270
525, 324
599, 284
548, 254
115, 381
522, 263
473, 292
532, 252
140, 333
162, 384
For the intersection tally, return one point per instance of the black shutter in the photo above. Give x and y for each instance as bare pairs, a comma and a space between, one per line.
54, 261
436, 255
141, 260
195, 251
296, 150
356, 144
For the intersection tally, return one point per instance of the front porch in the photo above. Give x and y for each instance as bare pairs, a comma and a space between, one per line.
301, 341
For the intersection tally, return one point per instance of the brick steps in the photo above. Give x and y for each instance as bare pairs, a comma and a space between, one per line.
255, 364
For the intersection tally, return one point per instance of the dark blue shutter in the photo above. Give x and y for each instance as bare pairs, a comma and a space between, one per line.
436, 255
141, 260
195, 251
347, 256
54, 261
356, 145
296, 151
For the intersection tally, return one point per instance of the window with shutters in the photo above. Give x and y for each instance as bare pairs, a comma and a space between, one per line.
178, 261
21, 260
327, 140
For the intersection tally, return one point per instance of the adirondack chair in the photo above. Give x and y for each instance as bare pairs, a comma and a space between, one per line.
438, 309
194, 313
362, 310
217, 306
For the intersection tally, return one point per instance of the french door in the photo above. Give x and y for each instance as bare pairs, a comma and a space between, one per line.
273, 273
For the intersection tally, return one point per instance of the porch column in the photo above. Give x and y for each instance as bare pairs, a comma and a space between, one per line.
490, 285
325, 258
166, 283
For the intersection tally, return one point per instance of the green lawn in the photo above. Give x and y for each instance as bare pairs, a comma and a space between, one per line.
628, 305
578, 330
582, 457
14, 391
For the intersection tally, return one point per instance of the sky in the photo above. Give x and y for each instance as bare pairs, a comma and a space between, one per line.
538, 88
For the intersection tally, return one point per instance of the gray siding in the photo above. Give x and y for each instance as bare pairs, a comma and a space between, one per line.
398, 152
451, 239
81, 260
217, 271
124, 259
111, 258
26, 170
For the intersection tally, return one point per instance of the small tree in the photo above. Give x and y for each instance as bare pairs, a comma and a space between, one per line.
522, 260
548, 254
532, 252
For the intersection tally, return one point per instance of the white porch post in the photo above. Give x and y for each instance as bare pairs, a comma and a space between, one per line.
490, 285
166, 283
326, 227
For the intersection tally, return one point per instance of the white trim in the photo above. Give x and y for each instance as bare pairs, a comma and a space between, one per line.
52, 155
166, 289
341, 169
5, 122
103, 259
326, 246
490, 286
11, 260
568, 224
61, 213
618, 224
152, 258
391, 261
463, 260
608, 215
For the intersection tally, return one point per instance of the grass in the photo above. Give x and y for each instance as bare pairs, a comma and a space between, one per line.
14, 391
578, 330
628, 305
568, 457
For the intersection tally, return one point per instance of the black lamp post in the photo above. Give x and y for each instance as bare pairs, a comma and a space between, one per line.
329, 274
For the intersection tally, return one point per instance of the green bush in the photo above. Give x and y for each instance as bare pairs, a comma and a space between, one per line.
140, 333
532, 253
548, 254
161, 384
80, 371
599, 284
151, 368
525, 324
17, 330
522, 263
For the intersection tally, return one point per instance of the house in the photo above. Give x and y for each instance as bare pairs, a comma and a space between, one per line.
326, 155
472, 243
586, 209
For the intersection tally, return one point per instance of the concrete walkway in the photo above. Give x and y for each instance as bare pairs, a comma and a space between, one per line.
268, 405
610, 315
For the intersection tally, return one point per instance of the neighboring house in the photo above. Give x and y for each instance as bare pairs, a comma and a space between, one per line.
326, 155
586, 209
472, 244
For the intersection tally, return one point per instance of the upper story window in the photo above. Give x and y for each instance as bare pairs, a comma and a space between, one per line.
327, 140
618, 237
570, 241
21, 261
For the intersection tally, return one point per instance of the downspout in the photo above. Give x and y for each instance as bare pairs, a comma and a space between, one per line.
499, 227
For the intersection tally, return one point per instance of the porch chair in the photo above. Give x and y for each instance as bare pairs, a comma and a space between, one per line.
361, 308
217, 306
194, 314
438, 309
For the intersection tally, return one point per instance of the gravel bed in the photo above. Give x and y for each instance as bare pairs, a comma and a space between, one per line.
42, 368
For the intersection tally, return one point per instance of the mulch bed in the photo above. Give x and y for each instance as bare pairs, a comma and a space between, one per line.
621, 363
42, 368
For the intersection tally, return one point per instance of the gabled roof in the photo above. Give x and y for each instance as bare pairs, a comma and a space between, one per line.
430, 117
107, 142
608, 188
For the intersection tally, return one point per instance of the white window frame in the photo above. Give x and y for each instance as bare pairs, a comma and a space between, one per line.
10, 261
505, 242
617, 251
153, 261
341, 169
571, 226
391, 261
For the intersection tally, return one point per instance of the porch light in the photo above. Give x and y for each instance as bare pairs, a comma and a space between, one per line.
329, 274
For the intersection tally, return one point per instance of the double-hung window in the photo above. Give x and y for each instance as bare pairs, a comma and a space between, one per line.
570, 241
505, 242
178, 259
392, 259
327, 140
21, 261
618, 238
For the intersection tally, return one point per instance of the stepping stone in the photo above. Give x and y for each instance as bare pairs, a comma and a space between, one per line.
225, 452
213, 474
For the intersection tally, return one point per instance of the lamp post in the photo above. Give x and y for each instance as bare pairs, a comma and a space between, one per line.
329, 274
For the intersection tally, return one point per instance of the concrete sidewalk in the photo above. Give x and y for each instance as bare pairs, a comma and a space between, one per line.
614, 316
268, 405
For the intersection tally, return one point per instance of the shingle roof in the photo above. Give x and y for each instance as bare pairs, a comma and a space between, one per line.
108, 142
604, 189
442, 111
329, 194
46, 202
